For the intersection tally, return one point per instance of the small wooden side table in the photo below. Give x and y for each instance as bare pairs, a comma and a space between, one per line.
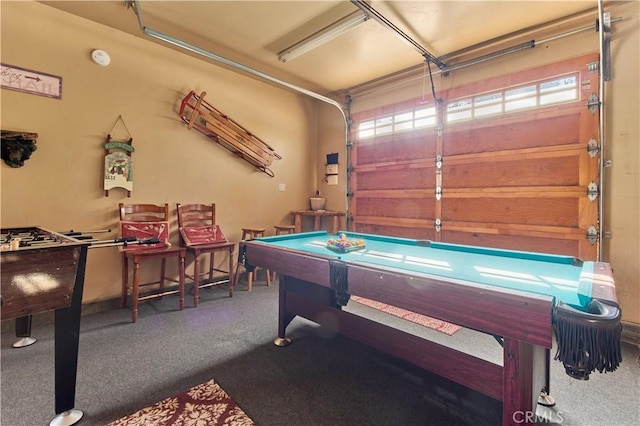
317, 216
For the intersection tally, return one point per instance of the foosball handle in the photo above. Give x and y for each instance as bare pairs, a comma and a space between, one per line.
125, 240
149, 241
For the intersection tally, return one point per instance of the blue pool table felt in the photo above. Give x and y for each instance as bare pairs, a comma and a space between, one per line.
563, 277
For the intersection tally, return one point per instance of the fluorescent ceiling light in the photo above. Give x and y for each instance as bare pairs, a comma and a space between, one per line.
324, 35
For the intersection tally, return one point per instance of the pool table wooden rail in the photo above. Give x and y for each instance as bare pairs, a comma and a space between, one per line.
524, 321
507, 313
603, 286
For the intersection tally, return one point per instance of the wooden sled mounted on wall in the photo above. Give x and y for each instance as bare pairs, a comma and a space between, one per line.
205, 118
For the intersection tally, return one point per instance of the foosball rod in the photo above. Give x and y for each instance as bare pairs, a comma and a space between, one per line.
84, 235
72, 233
126, 241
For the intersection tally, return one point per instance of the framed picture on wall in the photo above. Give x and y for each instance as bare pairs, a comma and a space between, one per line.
30, 81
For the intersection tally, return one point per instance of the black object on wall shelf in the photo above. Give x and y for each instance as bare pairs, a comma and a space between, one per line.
17, 147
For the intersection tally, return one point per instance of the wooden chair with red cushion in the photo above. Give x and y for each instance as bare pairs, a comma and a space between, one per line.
200, 234
145, 221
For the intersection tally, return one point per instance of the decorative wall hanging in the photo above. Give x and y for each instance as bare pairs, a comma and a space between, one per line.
30, 81
17, 147
206, 119
118, 164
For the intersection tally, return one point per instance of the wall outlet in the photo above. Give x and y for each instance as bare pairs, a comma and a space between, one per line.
281, 187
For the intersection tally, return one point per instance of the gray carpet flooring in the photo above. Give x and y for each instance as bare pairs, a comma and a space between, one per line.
320, 379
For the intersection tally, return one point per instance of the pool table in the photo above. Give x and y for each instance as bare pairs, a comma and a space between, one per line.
521, 298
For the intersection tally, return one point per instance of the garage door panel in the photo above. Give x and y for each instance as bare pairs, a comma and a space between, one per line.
412, 208
418, 233
403, 147
528, 133
398, 177
514, 172
547, 244
510, 210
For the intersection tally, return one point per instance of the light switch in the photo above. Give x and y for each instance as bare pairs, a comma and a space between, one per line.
281, 187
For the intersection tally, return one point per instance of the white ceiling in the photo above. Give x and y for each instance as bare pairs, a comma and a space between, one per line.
253, 32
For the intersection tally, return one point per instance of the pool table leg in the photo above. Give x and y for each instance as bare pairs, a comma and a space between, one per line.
545, 399
524, 376
284, 317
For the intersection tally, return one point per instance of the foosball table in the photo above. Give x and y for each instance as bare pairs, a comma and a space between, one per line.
42, 271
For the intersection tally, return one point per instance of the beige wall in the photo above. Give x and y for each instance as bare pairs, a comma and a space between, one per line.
333, 136
622, 180
61, 186
621, 214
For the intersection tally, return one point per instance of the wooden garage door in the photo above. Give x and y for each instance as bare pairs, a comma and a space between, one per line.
505, 163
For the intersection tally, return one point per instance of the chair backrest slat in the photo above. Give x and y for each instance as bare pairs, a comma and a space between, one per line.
196, 214
144, 212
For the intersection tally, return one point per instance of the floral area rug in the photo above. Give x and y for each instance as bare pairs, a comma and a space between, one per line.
425, 321
202, 405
